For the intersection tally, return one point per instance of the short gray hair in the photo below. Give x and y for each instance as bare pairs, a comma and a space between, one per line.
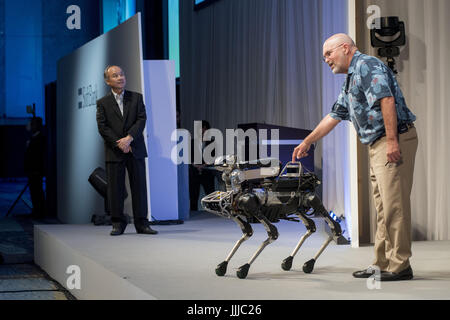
105, 73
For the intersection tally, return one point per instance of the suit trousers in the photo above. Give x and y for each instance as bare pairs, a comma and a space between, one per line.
37, 194
392, 184
116, 189
197, 178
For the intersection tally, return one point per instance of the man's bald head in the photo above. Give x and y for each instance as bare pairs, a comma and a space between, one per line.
338, 52
339, 38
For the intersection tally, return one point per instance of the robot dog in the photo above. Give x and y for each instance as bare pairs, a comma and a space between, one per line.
261, 192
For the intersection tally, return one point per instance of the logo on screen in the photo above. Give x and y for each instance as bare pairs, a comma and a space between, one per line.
87, 96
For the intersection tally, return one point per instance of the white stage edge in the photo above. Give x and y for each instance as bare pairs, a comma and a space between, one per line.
54, 256
179, 264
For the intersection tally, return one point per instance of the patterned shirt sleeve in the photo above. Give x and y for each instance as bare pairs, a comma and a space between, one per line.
339, 110
375, 81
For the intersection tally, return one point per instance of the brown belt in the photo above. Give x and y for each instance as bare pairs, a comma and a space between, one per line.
402, 128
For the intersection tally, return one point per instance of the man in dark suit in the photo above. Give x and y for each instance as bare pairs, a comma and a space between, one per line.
34, 166
121, 119
198, 173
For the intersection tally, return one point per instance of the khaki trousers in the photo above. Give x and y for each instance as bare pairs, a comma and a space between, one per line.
392, 184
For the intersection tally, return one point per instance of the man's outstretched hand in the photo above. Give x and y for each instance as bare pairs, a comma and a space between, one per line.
301, 151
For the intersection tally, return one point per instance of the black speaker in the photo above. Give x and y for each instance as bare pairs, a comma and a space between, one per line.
99, 182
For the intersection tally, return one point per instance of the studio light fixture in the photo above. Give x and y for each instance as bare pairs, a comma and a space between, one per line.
388, 34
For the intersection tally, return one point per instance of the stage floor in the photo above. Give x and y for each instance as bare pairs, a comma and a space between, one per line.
179, 264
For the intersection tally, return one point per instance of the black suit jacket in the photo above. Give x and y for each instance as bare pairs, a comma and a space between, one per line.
112, 126
35, 155
200, 150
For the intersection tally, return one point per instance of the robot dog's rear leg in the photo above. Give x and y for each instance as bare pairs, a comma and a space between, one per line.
247, 231
309, 265
314, 202
311, 228
272, 233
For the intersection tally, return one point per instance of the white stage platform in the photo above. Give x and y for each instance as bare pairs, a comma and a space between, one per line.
179, 264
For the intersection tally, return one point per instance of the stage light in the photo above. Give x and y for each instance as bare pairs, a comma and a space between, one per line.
388, 38
335, 217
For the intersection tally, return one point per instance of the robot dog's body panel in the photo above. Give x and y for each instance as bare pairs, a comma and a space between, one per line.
260, 193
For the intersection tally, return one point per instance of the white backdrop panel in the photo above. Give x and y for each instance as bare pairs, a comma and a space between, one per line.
160, 101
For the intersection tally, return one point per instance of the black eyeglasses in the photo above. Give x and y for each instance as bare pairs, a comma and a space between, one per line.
329, 52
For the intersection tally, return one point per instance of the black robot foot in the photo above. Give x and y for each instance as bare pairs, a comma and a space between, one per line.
221, 269
287, 263
309, 266
243, 271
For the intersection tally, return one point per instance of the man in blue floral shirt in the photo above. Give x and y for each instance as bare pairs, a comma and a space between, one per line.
372, 100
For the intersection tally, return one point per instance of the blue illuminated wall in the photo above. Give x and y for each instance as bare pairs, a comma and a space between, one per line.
34, 35
174, 34
116, 12
2, 59
23, 57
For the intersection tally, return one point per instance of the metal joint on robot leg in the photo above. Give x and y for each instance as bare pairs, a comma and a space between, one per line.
271, 230
314, 202
309, 223
273, 233
245, 227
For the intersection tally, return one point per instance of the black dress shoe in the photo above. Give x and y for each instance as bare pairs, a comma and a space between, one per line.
406, 274
366, 273
118, 229
146, 230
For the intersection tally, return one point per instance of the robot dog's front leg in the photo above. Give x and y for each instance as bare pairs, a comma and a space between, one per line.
247, 231
314, 202
272, 234
250, 204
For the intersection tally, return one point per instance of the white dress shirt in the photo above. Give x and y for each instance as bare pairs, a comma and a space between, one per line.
119, 100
